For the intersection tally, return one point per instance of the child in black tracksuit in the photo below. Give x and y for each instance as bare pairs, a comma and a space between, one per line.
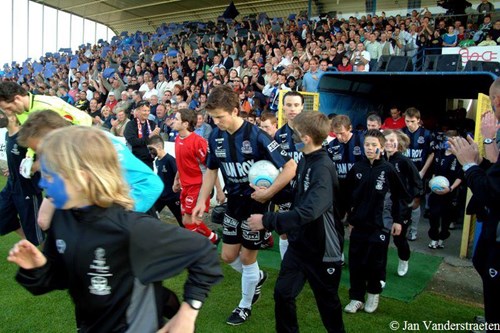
441, 203
396, 143
369, 181
314, 229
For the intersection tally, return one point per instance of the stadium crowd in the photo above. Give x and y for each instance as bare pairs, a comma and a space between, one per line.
152, 86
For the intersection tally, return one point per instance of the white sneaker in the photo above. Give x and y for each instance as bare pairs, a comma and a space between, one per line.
354, 306
372, 302
402, 267
433, 245
412, 235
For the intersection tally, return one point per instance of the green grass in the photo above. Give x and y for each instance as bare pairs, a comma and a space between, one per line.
20, 312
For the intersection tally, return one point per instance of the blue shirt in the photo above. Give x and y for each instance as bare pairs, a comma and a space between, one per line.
310, 81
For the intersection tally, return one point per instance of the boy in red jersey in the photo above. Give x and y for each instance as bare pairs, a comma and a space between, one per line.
190, 155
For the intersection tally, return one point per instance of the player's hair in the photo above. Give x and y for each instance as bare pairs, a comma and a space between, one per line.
223, 97
71, 152
376, 134
189, 116
403, 139
292, 93
341, 120
374, 117
412, 113
9, 90
39, 124
156, 140
268, 115
314, 124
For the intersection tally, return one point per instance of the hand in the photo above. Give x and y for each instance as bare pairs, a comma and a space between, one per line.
260, 194
466, 151
421, 174
255, 222
176, 187
182, 322
220, 197
489, 125
26, 255
443, 192
25, 167
396, 229
198, 211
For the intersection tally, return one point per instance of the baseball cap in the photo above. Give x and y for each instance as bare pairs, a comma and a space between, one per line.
111, 93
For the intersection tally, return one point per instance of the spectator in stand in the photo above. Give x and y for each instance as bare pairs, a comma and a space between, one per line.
450, 38
484, 8
81, 102
360, 59
74, 90
116, 86
311, 78
345, 66
65, 96
202, 128
151, 91
495, 32
112, 101
372, 46
395, 121
118, 124
123, 103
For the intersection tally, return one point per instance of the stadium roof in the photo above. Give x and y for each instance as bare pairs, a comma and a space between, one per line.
147, 15
132, 15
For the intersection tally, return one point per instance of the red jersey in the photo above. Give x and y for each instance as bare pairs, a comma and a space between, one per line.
390, 123
190, 156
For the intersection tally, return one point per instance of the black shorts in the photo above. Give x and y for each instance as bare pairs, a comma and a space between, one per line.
19, 210
235, 228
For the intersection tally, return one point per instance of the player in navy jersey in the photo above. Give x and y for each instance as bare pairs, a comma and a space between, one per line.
233, 147
421, 154
345, 150
20, 199
293, 104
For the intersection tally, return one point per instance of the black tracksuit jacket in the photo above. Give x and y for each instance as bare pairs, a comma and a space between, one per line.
113, 262
368, 185
312, 227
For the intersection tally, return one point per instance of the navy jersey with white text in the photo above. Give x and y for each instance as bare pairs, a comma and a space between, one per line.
344, 155
421, 145
284, 136
235, 153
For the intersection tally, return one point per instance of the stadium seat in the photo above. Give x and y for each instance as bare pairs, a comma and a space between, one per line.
382, 63
491, 66
449, 63
399, 64
473, 66
430, 63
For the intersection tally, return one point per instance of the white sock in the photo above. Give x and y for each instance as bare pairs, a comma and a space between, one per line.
415, 218
249, 280
237, 265
283, 247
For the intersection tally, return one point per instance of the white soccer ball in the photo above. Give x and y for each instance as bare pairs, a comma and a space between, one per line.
262, 173
439, 183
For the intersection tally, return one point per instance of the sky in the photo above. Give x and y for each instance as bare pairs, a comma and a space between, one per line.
46, 31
